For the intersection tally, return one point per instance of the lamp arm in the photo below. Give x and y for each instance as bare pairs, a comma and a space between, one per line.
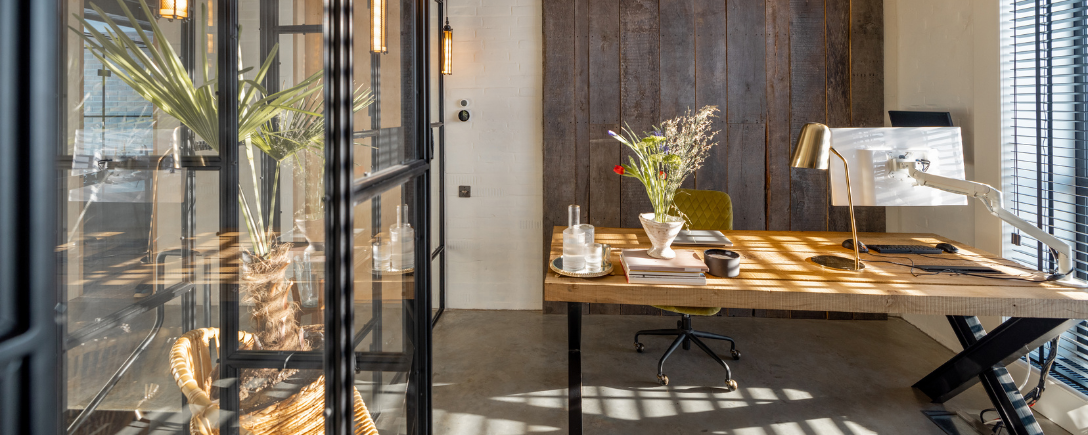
992, 199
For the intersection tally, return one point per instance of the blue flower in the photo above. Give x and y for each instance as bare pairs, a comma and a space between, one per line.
658, 133
665, 149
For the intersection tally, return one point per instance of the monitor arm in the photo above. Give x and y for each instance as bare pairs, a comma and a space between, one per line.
992, 199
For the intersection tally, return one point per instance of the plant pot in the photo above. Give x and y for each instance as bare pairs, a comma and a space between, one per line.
661, 234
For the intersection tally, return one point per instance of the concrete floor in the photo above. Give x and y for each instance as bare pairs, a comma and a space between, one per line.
505, 372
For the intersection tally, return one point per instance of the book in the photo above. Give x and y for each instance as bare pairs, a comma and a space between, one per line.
685, 261
683, 272
701, 238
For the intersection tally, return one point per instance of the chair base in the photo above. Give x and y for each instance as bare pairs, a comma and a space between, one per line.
685, 335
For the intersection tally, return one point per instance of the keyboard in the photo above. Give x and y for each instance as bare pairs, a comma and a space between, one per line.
955, 269
905, 249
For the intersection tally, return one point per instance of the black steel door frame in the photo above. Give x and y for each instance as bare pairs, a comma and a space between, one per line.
338, 360
30, 80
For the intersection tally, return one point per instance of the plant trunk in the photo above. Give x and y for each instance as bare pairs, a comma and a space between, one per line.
273, 312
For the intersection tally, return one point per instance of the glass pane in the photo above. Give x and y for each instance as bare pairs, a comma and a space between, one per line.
384, 131
139, 255
385, 252
297, 12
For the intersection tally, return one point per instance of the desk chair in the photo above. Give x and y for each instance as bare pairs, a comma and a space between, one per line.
705, 210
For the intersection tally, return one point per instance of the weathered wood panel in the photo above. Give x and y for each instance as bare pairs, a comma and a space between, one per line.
640, 91
604, 62
678, 61
745, 146
808, 99
559, 119
581, 107
711, 38
837, 25
604, 185
778, 114
746, 60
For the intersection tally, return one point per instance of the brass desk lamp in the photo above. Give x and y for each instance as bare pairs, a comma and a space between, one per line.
813, 151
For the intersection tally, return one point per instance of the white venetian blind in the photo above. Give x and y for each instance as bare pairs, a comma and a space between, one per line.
1045, 47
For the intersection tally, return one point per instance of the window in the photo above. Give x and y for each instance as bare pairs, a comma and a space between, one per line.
1045, 55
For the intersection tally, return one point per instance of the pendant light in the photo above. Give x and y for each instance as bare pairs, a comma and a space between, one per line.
447, 48
174, 9
377, 27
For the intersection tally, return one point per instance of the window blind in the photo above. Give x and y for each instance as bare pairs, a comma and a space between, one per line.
1045, 51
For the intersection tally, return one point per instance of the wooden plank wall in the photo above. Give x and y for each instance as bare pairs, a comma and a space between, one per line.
769, 65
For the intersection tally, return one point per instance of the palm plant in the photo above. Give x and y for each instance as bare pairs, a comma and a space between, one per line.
160, 77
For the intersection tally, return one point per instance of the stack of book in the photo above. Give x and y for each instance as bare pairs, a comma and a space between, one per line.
641, 268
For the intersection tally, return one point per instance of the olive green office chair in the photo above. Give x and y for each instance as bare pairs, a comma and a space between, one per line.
705, 210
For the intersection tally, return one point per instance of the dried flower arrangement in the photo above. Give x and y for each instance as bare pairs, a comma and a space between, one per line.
666, 157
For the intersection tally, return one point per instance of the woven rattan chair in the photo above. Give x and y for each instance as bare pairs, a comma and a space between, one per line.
704, 210
302, 413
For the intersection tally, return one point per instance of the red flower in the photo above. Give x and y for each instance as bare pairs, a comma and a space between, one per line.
618, 169
662, 174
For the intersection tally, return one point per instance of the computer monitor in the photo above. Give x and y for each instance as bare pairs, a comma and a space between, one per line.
878, 158
904, 118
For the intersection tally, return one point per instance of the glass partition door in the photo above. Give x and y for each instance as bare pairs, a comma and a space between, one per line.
244, 218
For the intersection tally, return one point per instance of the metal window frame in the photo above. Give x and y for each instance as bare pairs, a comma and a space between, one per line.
30, 65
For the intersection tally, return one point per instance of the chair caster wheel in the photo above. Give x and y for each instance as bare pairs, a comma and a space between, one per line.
639, 347
736, 354
731, 385
664, 380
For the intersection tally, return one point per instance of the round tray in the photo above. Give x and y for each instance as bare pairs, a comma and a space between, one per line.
557, 267
392, 271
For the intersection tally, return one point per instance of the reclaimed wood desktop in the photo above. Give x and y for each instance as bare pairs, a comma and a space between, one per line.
775, 274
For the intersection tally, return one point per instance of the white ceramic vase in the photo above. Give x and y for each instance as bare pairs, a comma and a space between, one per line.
314, 232
661, 234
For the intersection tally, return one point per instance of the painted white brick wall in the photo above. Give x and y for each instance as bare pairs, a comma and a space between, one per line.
494, 236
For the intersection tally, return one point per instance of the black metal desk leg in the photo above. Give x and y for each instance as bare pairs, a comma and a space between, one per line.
574, 367
984, 359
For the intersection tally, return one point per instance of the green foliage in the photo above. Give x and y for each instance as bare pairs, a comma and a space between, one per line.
279, 124
668, 156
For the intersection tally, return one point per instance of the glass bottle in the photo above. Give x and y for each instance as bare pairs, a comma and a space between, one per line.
407, 238
574, 242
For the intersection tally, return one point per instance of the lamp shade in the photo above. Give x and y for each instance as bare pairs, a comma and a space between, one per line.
813, 150
447, 49
377, 27
174, 9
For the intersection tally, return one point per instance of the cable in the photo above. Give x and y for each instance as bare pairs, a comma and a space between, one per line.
912, 266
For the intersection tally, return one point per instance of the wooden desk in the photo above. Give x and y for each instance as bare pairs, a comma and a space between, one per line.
775, 274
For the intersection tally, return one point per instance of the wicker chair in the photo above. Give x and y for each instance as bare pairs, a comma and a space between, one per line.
302, 413
705, 210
